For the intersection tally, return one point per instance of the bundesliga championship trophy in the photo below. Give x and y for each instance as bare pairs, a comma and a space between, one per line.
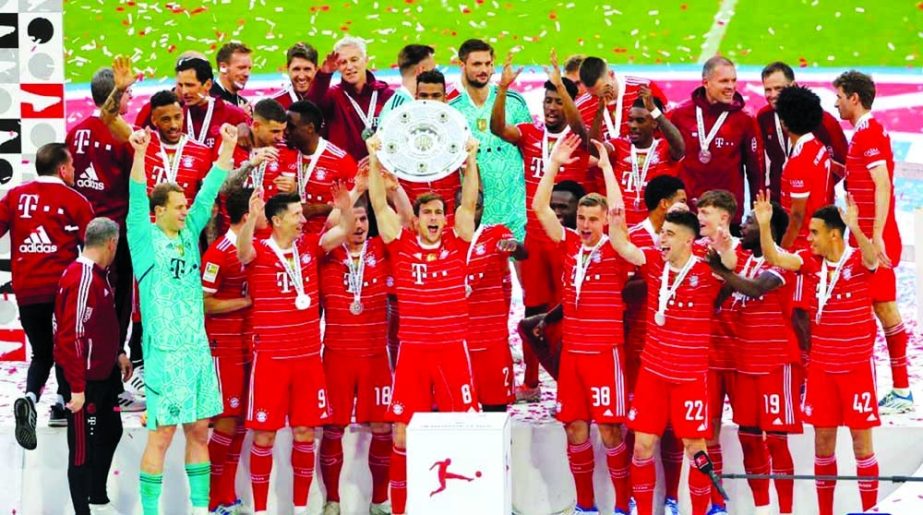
423, 141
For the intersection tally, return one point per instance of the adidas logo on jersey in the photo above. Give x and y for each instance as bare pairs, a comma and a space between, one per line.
38, 243
89, 179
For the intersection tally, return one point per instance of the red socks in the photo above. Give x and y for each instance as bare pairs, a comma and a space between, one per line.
331, 461
228, 483
218, 446
643, 480
756, 461
825, 466
379, 463
671, 456
714, 452
897, 350
700, 491
868, 490
617, 460
398, 480
782, 463
580, 457
260, 468
303, 471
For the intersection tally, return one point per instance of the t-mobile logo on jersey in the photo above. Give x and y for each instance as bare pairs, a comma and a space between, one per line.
443, 474
159, 174
177, 267
282, 281
27, 205
82, 140
537, 167
419, 272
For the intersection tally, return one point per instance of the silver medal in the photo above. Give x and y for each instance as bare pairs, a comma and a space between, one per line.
468, 290
302, 302
356, 307
704, 156
660, 318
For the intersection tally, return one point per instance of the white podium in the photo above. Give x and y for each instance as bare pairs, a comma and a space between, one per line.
459, 463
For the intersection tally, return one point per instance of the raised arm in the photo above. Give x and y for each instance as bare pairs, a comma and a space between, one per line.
871, 253
399, 199
753, 288
317, 92
342, 202
618, 237
245, 251
571, 113
541, 202
498, 125
389, 223
596, 129
613, 191
109, 112
669, 131
762, 209
238, 177
465, 213
201, 211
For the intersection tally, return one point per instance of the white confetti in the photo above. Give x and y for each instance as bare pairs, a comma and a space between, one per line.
890, 46
860, 9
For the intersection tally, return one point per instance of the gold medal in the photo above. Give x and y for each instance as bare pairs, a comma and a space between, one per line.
482, 124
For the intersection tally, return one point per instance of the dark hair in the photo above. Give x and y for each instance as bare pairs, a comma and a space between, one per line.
662, 187
830, 215
161, 193
412, 55
278, 203
685, 218
572, 187
50, 157
301, 51
714, 62
308, 112
229, 49
363, 202
854, 81
426, 198
569, 85
572, 63
799, 108
779, 222
238, 203
431, 77
101, 85
721, 199
163, 98
639, 102
778, 66
203, 69
269, 110
473, 45
591, 70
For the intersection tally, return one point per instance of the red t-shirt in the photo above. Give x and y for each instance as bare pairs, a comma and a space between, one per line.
195, 161
222, 113
430, 287
225, 278
593, 322
678, 350
531, 144
587, 104
806, 176
286, 96
333, 165
661, 163
279, 328
641, 235
489, 279
844, 337
725, 332
101, 168
871, 147
366, 333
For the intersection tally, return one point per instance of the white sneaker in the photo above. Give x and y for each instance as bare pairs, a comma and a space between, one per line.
382, 508
895, 404
135, 384
103, 509
332, 508
131, 403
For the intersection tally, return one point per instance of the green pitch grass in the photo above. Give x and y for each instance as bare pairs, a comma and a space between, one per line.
805, 32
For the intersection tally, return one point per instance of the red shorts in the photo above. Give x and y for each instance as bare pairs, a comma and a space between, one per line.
658, 402
632, 368
884, 285
359, 381
770, 402
428, 374
842, 399
592, 387
233, 372
720, 385
492, 369
541, 273
286, 387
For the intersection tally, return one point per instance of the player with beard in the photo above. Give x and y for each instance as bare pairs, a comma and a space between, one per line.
234, 65
320, 163
840, 384
351, 108
778, 144
411, 62
766, 402
499, 162
301, 65
429, 270
616, 94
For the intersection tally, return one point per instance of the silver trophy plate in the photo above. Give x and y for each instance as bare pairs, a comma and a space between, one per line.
423, 141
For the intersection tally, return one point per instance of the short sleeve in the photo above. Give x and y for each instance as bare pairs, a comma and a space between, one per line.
874, 148
799, 186
212, 263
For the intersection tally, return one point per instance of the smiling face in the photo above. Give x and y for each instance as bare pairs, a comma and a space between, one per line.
820, 237
553, 108
478, 68
564, 205
352, 64
301, 72
168, 120
591, 222
290, 222
172, 215
721, 84
710, 219
675, 241
750, 233
773, 85
431, 221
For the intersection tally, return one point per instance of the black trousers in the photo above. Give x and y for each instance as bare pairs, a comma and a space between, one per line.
36, 322
123, 283
93, 433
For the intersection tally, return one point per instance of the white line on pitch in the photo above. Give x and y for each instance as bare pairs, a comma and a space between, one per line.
718, 28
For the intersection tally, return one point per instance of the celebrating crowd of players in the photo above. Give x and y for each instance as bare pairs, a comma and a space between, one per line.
227, 230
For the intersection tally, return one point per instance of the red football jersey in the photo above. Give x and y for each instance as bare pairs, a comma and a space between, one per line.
279, 328
364, 333
222, 113
225, 278
678, 350
445, 188
101, 167
535, 144
46, 220
844, 337
430, 286
629, 91
195, 161
633, 185
286, 96
592, 320
318, 172
806, 176
641, 235
766, 339
871, 147
285, 165
723, 352
489, 278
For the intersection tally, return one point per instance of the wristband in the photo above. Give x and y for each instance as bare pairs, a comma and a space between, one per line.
656, 113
